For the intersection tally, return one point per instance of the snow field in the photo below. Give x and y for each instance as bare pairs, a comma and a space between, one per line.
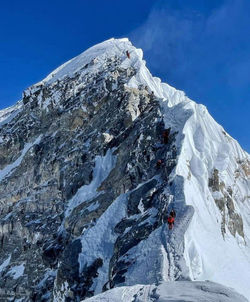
182, 291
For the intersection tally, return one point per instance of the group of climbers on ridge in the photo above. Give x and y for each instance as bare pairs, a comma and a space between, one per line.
165, 138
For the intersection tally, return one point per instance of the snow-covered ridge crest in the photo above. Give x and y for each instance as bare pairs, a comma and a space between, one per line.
107, 49
6, 115
102, 50
216, 184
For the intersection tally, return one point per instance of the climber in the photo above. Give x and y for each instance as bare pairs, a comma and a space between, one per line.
159, 163
128, 54
170, 222
172, 213
165, 135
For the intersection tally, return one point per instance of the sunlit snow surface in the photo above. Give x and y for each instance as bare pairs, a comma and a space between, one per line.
182, 291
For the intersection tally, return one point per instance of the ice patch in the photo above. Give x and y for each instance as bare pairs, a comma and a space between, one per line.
4, 264
93, 207
103, 244
103, 166
16, 271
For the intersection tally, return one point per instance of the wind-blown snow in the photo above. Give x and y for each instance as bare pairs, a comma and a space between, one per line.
204, 145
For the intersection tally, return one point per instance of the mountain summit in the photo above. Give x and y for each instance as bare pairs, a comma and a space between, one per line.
92, 160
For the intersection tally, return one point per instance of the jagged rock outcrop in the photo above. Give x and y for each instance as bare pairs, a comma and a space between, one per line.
91, 160
223, 198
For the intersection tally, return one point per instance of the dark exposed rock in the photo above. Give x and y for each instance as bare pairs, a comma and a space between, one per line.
82, 217
135, 197
230, 217
214, 181
69, 267
123, 224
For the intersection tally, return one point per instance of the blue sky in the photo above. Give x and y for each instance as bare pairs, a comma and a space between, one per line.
199, 46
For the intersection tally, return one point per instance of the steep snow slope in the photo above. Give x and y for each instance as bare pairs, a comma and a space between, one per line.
183, 291
206, 147
210, 253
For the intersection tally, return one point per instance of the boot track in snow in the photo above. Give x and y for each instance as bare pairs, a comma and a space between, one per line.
173, 240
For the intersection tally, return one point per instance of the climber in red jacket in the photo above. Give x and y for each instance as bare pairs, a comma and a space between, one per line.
170, 222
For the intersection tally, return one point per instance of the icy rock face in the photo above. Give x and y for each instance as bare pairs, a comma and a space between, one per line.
84, 198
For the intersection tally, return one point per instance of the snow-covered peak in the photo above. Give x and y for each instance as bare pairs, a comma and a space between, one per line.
111, 48
108, 48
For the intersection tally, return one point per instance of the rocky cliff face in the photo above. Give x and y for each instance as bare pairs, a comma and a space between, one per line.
91, 160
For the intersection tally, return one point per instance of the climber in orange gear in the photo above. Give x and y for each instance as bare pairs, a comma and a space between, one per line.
170, 222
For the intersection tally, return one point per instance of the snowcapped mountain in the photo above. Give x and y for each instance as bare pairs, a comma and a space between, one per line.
92, 160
